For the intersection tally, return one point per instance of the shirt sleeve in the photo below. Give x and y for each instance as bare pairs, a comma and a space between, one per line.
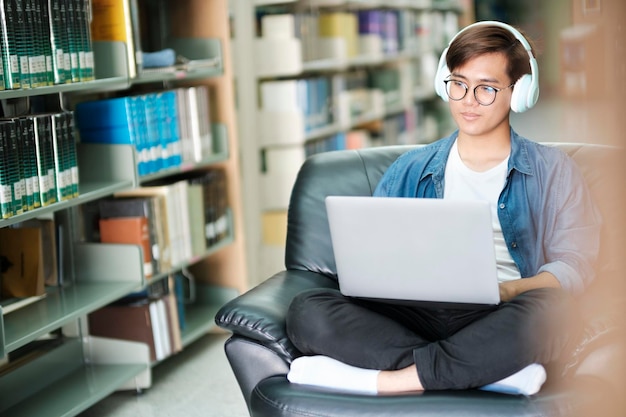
573, 240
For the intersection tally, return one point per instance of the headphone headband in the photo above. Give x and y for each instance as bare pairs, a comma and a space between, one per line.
526, 89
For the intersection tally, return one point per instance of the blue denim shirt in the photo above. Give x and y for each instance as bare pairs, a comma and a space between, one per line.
548, 219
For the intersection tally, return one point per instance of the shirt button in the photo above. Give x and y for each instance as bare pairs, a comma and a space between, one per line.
514, 244
502, 205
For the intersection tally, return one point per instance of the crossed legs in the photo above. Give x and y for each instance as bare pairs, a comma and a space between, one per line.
417, 348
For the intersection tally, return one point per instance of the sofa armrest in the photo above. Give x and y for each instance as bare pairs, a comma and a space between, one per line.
260, 313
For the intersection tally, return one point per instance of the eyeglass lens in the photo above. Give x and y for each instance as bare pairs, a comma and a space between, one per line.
457, 90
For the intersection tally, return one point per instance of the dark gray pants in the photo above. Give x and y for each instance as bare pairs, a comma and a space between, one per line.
452, 348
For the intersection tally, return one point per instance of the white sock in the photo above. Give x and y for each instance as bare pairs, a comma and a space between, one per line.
323, 371
528, 381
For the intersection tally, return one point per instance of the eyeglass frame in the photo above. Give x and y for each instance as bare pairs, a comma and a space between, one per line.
467, 88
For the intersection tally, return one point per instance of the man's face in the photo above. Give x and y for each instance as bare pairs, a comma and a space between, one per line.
472, 118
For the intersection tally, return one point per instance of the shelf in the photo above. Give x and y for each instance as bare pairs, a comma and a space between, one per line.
106, 84
87, 192
60, 385
199, 316
60, 306
204, 61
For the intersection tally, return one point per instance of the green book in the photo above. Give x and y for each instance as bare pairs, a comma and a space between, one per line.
61, 171
43, 33
73, 41
24, 45
66, 157
72, 153
14, 31
27, 148
55, 27
65, 40
4, 49
13, 166
90, 73
6, 194
36, 59
45, 160
40, 169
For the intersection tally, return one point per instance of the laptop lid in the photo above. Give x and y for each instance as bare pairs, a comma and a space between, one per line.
414, 249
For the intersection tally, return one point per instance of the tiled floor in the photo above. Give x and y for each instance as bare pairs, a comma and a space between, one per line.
197, 382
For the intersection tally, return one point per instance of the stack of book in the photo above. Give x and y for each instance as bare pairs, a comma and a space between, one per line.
151, 316
167, 129
39, 162
173, 223
45, 42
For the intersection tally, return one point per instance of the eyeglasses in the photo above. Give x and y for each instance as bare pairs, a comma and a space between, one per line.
485, 94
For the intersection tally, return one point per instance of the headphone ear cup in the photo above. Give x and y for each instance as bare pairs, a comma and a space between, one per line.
522, 97
442, 73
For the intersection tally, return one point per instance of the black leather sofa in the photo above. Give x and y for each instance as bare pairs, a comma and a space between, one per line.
588, 381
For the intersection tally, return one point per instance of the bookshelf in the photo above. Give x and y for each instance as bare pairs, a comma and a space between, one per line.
50, 363
367, 87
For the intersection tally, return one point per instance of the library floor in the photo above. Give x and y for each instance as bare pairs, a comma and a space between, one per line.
197, 382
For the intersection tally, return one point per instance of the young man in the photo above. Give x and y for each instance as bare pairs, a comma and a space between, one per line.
546, 236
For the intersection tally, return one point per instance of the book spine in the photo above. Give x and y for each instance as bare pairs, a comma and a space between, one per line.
14, 32
56, 40
6, 195
5, 67
65, 40
72, 153
112, 21
26, 128
88, 73
15, 179
42, 57
46, 39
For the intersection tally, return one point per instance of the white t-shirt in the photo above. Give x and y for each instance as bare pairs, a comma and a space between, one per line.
462, 183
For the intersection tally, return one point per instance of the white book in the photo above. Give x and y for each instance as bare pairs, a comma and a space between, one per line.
182, 194
279, 26
194, 124
156, 331
164, 327
280, 96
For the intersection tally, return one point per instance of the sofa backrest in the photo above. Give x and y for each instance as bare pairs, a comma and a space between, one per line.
357, 172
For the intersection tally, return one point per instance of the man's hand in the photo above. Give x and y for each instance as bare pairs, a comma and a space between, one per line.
511, 289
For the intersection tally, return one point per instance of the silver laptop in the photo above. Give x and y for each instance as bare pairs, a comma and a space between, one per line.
414, 249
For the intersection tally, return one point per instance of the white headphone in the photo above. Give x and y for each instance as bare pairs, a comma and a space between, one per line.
526, 89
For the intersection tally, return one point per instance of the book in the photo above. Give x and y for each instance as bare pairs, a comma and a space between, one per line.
132, 321
174, 318
31, 198
172, 208
112, 20
16, 180
129, 230
6, 194
195, 193
57, 36
21, 260
179, 281
45, 158
215, 204
5, 65
136, 207
13, 32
